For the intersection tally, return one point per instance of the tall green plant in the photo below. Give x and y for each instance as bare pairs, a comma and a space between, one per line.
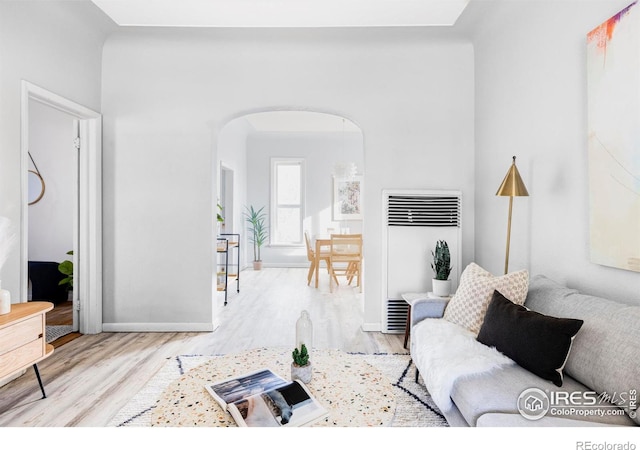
441, 261
258, 233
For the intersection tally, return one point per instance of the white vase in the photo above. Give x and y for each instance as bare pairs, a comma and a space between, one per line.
5, 301
302, 373
441, 288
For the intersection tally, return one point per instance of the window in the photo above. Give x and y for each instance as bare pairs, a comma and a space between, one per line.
287, 201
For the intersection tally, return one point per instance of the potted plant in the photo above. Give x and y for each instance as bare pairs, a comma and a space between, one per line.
258, 233
442, 268
66, 268
301, 366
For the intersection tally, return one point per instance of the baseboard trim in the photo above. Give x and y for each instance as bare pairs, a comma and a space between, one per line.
285, 265
374, 326
156, 327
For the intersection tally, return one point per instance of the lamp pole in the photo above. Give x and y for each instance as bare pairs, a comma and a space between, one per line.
506, 257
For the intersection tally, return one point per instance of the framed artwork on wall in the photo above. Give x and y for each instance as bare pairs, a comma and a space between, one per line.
613, 74
347, 198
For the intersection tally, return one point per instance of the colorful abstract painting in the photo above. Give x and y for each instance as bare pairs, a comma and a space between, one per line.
613, 83
347, 198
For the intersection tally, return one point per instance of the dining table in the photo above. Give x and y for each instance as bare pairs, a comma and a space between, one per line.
321, 240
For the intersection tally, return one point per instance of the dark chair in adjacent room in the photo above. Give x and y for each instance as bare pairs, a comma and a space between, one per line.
45, 276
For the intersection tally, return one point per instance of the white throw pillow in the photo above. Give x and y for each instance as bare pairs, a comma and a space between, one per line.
469, 304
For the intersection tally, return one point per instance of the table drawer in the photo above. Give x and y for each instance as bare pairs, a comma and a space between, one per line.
20, 333
21, 357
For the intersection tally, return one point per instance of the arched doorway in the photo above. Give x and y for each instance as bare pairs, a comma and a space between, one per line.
318, 149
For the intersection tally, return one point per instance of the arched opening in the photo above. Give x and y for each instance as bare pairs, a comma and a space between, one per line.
289, 165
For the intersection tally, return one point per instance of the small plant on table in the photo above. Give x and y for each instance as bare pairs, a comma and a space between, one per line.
301, 366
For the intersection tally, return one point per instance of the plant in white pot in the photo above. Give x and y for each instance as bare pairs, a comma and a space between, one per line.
258, 233
442, 268
301, 366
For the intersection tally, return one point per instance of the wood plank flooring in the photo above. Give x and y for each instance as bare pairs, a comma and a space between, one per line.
89, 379
62, 314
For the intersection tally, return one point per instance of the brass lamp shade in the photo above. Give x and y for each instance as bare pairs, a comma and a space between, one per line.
512, 186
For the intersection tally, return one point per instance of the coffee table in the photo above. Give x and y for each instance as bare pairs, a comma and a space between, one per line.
355, 393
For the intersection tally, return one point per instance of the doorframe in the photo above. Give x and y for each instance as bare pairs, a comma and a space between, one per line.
226, 190
88, 255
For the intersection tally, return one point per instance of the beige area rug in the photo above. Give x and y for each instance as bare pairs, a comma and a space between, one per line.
414, 406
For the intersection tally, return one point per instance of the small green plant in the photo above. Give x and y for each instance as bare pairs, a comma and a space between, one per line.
300, 356
258, 233
220, 218
66, 268
441, 261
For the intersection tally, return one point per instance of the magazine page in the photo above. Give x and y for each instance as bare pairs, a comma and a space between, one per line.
245, 386
290, 405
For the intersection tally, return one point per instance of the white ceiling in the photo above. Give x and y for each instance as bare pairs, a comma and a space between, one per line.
299, 121
283, 13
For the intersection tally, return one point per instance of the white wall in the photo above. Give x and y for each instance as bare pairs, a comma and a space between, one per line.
531, 102
166, 95
56, 45
320, 152
51, 219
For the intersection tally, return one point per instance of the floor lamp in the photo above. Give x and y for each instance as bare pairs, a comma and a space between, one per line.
512, 186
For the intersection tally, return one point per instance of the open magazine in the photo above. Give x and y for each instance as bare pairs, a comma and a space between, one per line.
264, 399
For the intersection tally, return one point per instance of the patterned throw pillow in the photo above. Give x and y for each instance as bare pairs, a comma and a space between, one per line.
469, 304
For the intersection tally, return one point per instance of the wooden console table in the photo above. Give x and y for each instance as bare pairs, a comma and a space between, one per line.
23, 341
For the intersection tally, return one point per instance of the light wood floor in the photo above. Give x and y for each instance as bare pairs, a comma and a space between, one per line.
62, 314
89, 379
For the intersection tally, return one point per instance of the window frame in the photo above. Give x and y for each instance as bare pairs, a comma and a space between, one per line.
275, 163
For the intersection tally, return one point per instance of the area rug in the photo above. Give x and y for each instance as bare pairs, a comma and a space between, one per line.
414, 406
57, 331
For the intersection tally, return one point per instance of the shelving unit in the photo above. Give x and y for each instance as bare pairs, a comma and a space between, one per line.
225, 244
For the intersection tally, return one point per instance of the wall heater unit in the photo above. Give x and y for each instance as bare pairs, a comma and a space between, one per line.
413, 222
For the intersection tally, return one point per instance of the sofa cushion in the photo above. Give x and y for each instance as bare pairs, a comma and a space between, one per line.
537, 342
498, 391
469, 304
606, 352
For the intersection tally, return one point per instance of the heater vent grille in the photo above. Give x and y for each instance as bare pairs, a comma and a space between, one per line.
396, 315
423, 211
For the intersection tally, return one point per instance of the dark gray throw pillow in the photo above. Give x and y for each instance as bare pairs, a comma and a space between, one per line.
534, 341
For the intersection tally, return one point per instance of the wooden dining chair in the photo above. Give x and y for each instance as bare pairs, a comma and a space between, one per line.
345, 258
314, 259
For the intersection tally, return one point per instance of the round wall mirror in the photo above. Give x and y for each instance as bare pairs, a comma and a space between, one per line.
36, 187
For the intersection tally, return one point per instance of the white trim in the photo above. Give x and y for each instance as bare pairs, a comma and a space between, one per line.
285, 265
88, 256
135, 327
374, 326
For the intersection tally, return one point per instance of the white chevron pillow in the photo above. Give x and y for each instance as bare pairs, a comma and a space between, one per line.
469, 304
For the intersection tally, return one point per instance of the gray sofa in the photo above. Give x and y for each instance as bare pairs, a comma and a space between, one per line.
601, 384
